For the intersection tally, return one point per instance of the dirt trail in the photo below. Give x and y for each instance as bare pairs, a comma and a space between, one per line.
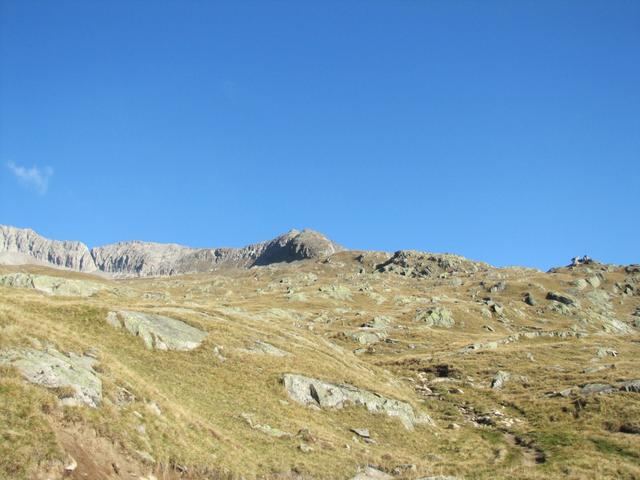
531, 456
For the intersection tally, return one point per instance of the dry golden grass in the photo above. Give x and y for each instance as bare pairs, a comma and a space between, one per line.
201, 398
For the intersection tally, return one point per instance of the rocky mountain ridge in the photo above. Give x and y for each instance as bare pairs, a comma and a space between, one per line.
141, 259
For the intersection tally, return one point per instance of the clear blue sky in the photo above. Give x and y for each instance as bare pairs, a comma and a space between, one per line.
505, 131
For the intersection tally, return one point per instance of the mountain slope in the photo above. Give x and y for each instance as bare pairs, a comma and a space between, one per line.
140, 259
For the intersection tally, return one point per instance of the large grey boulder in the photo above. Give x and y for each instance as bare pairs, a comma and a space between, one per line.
157, 331
52, 369
311, 391
52, 285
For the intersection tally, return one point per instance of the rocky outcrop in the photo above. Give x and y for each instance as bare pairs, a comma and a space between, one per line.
311, 391
141, 259
23, 245
411, 263
157, 331
50, 368
435, 317
52, 285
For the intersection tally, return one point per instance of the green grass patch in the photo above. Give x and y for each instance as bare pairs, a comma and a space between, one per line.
608, 447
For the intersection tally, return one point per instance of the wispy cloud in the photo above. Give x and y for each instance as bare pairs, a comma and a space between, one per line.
34, 177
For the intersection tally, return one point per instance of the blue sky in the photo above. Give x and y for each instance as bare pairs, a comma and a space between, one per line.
503, 131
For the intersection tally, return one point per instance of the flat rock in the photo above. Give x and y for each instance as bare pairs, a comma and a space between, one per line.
311, 391
263, 348
367, 337
594, 388
52, 369
266, 429
52, 285
157, 331
361, 432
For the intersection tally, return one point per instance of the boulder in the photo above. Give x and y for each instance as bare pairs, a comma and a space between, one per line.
529, 299
52, 369
594, 281
365, 337
435, 317
311, 391
500, 379
158, 331
606, 352
370, 473
562, 298
580, 283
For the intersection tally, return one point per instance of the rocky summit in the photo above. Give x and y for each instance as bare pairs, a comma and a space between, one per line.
295, 358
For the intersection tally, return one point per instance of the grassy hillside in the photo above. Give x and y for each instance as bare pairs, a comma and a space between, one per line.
184, 414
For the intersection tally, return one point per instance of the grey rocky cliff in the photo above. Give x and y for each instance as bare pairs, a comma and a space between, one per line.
23, 245
141, 259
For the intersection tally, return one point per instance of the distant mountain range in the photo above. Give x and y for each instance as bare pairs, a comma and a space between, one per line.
141, 259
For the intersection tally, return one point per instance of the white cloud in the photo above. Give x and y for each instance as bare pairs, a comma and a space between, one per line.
34, 177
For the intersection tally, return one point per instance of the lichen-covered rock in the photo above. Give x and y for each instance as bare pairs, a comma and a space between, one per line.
594, 388
52, 285
52, 369
311, 391
266, 429
370, 473
158, 331
367, 336
435, 317
615, 326
500, 379
337, 292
